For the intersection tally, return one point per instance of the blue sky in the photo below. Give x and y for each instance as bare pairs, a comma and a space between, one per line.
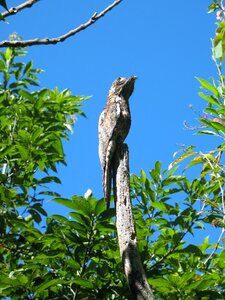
165, 43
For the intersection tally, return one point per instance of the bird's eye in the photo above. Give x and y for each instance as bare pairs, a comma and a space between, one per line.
121, 80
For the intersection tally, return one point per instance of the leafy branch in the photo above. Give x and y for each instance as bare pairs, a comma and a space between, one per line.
61, 38
174, 248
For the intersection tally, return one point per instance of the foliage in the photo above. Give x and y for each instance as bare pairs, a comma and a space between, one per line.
74, 257
213, 124
33, 125
176, 268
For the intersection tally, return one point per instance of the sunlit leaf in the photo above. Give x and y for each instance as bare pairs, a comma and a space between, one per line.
2, 65
208, 86
83, 283
212, 7
28, 67
100, 207
218, 49
48, 284
181, 158
210, 99
66, 202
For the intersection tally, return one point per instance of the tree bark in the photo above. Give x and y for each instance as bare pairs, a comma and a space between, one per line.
132, 265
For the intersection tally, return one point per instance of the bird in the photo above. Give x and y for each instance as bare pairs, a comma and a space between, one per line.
113, 127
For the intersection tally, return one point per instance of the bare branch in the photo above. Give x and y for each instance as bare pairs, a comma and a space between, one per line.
15, 10
126, 232
48, 41
216, 247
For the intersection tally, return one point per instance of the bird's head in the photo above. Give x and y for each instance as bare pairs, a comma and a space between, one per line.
123, 86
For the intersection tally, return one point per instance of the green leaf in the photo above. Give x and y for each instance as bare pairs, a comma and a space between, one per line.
210, 99
2, 65
8, 53
22, 279
172, 180
207, 132
160, 282
218, 50
213, 111
2, 18
36, 133
100, 207
217, 126
60, 219
212, 7
27, 95
28, 67
58, 147
199, 225
48, 284
49, 193
195, 161
48, 179
193, 250
38, 207
84, 206
66, 202
143, 176
23, 152
208, 86
36, 216
18, 84
30, 81
83, 283
205, 244
108, 214
159, 205
181, 158
158, 166
80, 218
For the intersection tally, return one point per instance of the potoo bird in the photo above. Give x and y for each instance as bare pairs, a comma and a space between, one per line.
113, 127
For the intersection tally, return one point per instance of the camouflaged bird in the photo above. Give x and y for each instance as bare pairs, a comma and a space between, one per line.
114, 125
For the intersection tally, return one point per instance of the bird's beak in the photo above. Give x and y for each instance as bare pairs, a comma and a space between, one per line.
131, 78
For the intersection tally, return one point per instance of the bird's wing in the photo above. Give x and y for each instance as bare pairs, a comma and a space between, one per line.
107, 144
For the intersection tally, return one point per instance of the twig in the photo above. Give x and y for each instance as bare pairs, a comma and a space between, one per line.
15, 10
216, 247
63, 37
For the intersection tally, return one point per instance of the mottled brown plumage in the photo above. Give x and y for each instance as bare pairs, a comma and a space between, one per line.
114, 125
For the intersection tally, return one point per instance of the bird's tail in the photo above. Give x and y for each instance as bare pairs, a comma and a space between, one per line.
107, 185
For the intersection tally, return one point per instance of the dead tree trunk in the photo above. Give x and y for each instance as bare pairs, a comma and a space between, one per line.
132, 265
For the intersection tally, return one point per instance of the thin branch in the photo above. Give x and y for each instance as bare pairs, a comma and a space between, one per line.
216, 247
15, 10
63, 37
